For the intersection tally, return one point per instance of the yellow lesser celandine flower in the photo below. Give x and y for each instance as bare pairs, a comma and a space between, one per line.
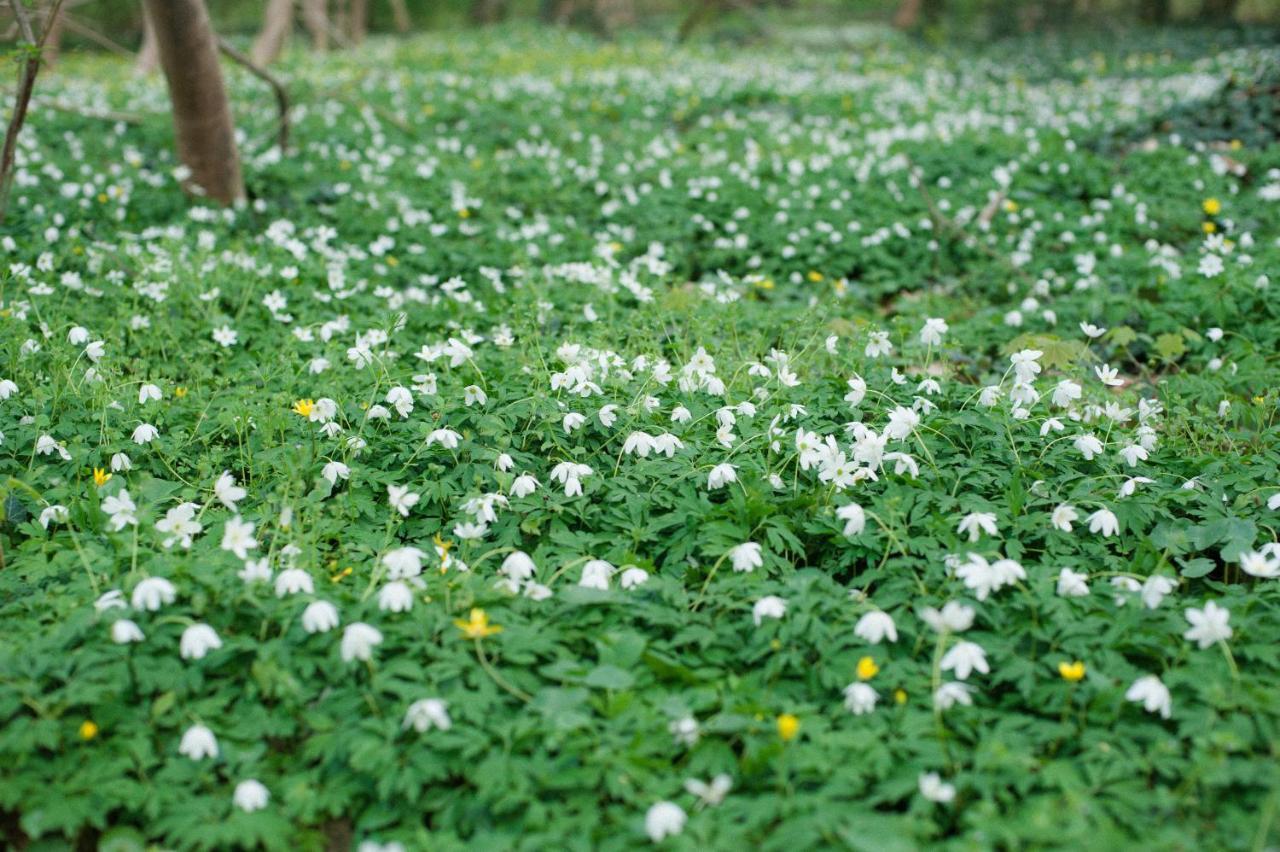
815, 276
1212, 206
1010, 206
341, 575
180, 391
88, 730
1071, 672
304, 407
788, 727
1209, 227
441, 543
867, 668
477, 626
900, 695
100, 476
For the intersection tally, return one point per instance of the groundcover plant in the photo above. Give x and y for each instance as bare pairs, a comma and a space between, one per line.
579, 445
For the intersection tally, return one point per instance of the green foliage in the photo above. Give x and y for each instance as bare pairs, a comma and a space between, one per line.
708, 246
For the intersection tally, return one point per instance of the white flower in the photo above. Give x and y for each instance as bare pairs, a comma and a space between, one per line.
859, 698
855, 519
1208, 625
198, 742
1155, 588
255, 571
145, 433
1063, 516
1259, 565
518, 566
358, 641
596, 574
237, 537
934, 328
1087, 445
148, 392
395, 597
250, 796
121, 508
746, 557
225, 336
1092, 331
955, 617
53, 514
965, 658
1071, 584
1149, 691
227, 492
712, 793
427, 713
124, 631
721, 475
933, 788
446, 438
633, 577
198, 640
179, 525
403, 562
319, 617
976, 523
294, 581
402, 499
665, 819
952, 693
685, 730
335, 470
770, 606
875, 626
1105, 522
524, 485
153, 593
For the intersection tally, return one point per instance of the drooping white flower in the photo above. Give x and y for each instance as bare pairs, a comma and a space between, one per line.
770, 606
721, 475
250, 796
710, 793
855, 519
596, 574
876, 626
319, 617
358, 641
293, 581
965, 658
952, 693
1063, 516
1104, 522
633, 577
1072, 584
859, 698
197, 641
1152, 694
153, 593
746, 557
395, 596
933, 788
427, 713
975, 524
663, 820
954, 617
124, 631
198, 743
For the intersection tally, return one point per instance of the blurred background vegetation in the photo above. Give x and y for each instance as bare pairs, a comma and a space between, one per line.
118, 24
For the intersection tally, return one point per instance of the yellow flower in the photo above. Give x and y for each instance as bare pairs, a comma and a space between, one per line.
391, 261
1212, 206
341, 575
1010, 206
180, 391
815, 276
464, 213
900, 696
100, 477
478, 626
1209, 227
442, 544
88, 730
788, 727
867, 668
1071, 672
304, 407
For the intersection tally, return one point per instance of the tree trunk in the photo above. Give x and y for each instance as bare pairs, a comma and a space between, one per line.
492, 11
53, 27
202, 124
1154, 12
277, 25
1220, 12
316, 19
907, 17
357, 21
149, 54
400, 14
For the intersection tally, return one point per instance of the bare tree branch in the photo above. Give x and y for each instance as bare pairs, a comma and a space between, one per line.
27, 72
282, 95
